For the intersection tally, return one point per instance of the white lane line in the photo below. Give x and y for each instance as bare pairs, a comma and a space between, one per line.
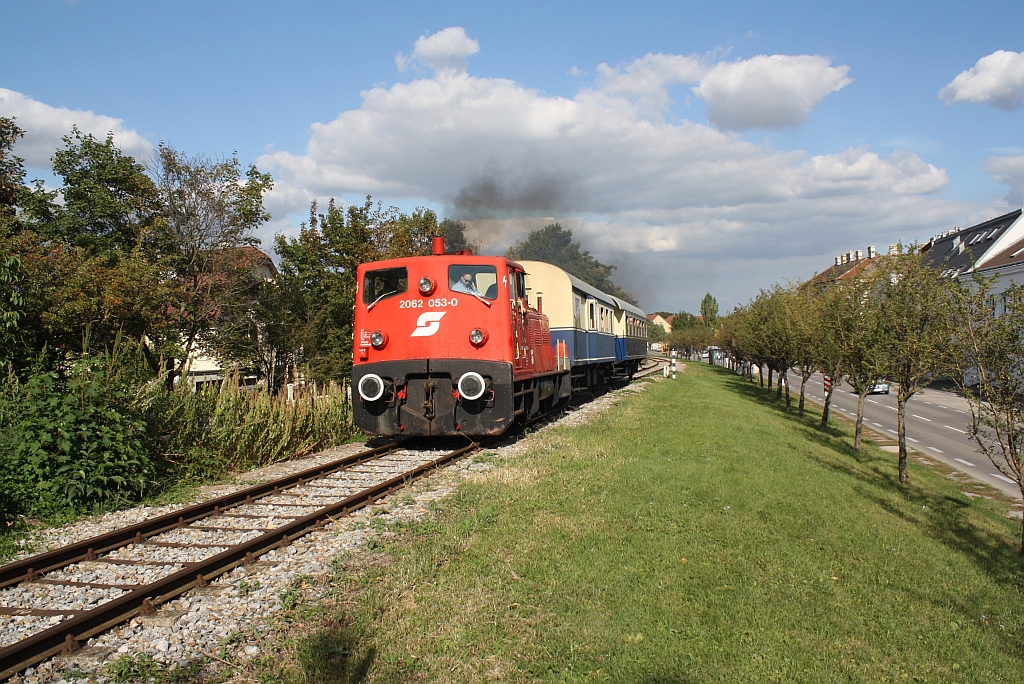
966, 463
911, 439
891, 430
872, 401
962, 432
1004, 479
921, 417
927, 402
938, 451
890, 408
877, 424
959, 411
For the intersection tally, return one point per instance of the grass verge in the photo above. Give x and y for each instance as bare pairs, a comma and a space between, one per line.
697, 533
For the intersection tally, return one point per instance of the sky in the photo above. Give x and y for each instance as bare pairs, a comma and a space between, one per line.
699, 147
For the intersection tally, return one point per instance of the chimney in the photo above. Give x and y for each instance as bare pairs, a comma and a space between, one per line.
839, 261
894, 250
849, 256
842, 258
438, 249
860, 254
872, 253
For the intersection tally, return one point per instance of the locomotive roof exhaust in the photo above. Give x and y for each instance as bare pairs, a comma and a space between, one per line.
438, 248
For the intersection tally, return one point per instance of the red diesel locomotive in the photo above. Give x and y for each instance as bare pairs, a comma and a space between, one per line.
447, 345
454, 344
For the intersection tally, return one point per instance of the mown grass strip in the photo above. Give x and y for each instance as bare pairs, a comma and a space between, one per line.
698, 532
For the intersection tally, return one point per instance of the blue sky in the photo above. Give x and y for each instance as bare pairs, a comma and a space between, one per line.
720, 146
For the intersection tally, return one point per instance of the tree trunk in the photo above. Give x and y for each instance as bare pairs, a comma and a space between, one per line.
860, 421
824, 410
803, 387
771, 376
760, 375
901, 434
789, 401
780, 379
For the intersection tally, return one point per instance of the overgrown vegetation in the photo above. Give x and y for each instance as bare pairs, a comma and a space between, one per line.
101, 434
708, 549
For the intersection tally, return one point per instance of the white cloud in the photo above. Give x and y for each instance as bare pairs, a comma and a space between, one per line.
1009, 170
45, 125
768, 91
648, 78
641, 191
996, 80
445, 51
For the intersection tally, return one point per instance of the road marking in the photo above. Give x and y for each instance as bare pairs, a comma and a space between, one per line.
966, 463
1004, 479
938, 451
890, 408
927, 402
877, 424
891, 430
872, 401
959, 411
921, 417
914, 441
962, 432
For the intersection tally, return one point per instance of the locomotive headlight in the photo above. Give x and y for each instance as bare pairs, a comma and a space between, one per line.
378, 339
426, 285
371, 387
478, 336
472, 385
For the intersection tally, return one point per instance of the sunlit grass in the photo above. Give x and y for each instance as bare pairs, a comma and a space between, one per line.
698, 532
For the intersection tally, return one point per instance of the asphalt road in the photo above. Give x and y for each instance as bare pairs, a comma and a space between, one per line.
937, 425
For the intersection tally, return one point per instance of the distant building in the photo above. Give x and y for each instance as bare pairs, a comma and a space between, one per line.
203, 369
847, 266
657, 319
959, 251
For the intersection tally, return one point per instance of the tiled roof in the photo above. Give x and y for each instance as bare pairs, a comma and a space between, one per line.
1011, 255
840, 271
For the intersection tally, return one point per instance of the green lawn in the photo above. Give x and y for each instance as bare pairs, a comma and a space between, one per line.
698, 532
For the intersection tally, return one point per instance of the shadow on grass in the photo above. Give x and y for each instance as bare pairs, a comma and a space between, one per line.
945, 518
334, 656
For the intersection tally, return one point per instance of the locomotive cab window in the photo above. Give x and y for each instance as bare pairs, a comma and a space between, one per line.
384, 283
474, 280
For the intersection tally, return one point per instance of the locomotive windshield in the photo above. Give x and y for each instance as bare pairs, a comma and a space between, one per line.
378, 285
476, 280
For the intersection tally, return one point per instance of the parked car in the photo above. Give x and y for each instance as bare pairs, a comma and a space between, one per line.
880, 388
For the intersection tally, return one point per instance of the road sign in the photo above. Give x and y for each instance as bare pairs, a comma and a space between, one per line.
828, 385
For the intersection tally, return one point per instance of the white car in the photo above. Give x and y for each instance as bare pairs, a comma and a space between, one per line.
880, 388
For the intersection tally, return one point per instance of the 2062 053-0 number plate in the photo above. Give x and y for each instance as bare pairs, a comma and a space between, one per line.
437, 302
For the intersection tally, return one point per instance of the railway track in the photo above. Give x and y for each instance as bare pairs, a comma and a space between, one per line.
166, 556
54, 602
650, 369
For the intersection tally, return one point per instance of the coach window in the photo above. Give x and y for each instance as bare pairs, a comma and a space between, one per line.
386, 282
475, 280
593, 321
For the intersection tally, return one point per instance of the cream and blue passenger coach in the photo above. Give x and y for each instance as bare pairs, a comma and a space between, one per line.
592, 329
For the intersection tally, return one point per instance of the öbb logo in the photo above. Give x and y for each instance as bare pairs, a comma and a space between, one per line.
428, 323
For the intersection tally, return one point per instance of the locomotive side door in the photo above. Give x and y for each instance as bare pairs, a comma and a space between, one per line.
517, 295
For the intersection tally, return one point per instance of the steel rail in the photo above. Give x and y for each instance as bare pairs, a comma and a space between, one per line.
67, 636
27, 569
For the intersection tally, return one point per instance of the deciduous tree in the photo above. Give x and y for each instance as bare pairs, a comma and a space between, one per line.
987, 360
554, 244
914, 331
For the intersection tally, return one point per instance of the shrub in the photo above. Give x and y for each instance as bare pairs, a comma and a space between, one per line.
74, 442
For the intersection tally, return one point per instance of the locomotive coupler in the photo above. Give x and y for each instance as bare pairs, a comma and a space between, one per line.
428, 405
